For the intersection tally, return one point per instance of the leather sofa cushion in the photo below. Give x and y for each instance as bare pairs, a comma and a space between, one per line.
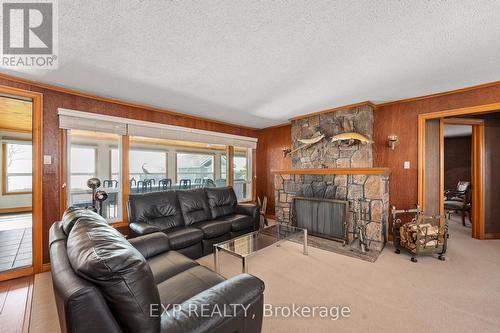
73, 214
187, 284
194, 206
56, 233
168, 264
221, 201
214, 228
160, 209
243, 289
99, 253
183, 237
239, 221
151, 245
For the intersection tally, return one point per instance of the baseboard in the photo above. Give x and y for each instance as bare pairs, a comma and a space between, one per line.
492, 235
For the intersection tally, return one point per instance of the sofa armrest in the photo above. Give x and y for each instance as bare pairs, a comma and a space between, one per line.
140, 228
251, 210
241, 297
151, 244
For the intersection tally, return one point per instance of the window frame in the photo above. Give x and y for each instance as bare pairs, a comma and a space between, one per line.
66, 171
5, 174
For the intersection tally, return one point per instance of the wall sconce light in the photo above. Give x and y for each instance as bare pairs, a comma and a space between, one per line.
392, 141
286, 151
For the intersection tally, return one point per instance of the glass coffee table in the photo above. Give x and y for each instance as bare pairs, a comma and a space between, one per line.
249, 244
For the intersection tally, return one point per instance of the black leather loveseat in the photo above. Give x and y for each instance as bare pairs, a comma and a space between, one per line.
193, 220
106, 284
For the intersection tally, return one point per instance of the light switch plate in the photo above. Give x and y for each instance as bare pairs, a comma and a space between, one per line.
47, 159
406, 165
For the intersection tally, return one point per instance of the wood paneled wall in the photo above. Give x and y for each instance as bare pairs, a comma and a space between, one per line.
457, 160
54, 99
270, 156
401, 119
491, 174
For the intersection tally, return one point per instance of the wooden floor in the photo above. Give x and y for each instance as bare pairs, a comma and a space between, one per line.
15, 305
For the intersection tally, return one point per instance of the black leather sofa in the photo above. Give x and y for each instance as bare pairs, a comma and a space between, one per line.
193, 220
106, 284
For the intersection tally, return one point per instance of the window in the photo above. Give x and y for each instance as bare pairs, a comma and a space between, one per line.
95, 154
158, 158
83, 166
115, 165
242, 168
147, 169
17, 163
195, 166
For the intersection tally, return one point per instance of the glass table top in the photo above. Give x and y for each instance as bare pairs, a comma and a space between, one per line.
248, 244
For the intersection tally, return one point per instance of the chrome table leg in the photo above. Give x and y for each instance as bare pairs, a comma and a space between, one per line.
305, 242
244, 263
216, 259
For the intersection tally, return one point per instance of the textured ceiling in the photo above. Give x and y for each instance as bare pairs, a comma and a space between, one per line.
258, 63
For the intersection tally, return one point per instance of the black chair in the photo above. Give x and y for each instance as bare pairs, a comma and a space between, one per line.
134, 182
145, 185
197, 181
110, 183
185, 183
165, 184
459, 199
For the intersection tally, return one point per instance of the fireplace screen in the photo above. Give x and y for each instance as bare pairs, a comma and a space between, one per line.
321, 217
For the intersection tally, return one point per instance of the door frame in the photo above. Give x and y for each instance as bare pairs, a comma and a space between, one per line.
478, 160
37, 142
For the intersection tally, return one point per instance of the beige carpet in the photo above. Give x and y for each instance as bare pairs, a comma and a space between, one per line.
393, 294
43, 313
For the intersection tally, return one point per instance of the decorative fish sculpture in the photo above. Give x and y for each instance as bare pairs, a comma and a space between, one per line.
317, 137
351, 137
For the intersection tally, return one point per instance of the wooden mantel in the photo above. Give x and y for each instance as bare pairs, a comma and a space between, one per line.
333, 171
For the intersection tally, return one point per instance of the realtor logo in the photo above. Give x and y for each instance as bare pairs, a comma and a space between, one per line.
29, 34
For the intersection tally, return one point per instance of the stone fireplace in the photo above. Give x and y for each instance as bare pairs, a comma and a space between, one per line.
337, 171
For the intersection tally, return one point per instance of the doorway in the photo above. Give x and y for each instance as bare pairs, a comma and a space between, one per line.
20, 183
458, 158
485, 163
